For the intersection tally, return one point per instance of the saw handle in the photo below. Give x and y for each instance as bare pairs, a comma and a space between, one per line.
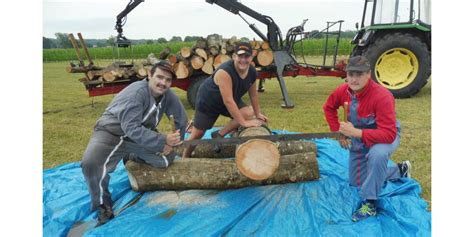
172, 124
346, 111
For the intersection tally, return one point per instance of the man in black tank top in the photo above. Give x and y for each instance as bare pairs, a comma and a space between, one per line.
221, 94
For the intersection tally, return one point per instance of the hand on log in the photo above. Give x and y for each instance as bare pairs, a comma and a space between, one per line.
173, 139
253, 123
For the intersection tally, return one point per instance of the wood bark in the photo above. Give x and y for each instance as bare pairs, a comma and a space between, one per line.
228, 151
217, 174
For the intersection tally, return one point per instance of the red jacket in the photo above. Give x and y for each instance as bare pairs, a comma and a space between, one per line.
374, 101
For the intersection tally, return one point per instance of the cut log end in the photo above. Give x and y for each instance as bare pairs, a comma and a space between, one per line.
257, 159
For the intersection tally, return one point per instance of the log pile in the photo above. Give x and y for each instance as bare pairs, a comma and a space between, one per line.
257, 162
203, 57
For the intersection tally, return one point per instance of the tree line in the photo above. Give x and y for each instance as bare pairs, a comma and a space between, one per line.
61, 40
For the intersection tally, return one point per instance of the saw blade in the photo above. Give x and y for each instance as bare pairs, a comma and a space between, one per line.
273, 138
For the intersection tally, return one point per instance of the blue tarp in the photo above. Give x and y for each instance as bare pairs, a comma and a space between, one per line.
317, 208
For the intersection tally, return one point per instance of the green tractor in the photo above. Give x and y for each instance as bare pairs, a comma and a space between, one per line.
395, 36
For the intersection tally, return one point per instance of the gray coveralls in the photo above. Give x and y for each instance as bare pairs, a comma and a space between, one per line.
128, 128
368, 168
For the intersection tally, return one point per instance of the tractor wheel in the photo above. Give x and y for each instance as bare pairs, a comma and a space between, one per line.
193, 89
401, 63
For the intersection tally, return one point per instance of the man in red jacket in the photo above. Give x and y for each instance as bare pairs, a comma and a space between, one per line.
373, 130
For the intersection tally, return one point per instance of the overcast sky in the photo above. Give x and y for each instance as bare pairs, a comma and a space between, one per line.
166, 18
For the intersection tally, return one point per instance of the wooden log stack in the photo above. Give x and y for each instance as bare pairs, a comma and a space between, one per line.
257, 162
203, 57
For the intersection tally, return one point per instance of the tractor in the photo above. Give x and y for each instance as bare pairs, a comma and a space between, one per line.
396, 38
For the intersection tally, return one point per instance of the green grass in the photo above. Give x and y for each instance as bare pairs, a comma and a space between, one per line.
310, 47
69, 117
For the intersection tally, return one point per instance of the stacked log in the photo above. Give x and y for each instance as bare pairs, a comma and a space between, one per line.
203, 57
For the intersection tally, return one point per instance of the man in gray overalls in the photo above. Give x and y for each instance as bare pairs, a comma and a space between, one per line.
127, 129
373, 130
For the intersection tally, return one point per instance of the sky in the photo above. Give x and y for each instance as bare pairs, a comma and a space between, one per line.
153, 19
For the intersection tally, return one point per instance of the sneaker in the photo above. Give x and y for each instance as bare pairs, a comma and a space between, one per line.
105, 214
365, 210
405, 169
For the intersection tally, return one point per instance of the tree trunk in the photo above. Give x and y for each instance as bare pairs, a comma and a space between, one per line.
265, 57
217, 174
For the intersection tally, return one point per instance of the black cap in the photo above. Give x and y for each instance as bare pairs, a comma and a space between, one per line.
164, 65
243, 48
358, 64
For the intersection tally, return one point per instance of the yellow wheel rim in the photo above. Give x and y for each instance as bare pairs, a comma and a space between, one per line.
396, 68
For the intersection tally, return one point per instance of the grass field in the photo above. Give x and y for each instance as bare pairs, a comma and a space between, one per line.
68, 117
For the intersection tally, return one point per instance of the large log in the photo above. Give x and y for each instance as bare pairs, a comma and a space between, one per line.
185, 52
265, 57
213, 43
208, 67
257, 159
228, 151
220, 59
217, 174
201, 52
182, 70
172, 59
197, 62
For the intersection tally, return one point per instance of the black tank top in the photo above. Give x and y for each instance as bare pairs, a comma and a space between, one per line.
209, 99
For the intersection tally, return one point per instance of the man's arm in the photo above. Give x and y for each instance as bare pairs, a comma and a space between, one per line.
175, 107
330, 108
254, 98
224, 81
130, 121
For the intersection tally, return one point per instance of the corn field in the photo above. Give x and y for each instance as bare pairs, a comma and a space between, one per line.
313, 47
